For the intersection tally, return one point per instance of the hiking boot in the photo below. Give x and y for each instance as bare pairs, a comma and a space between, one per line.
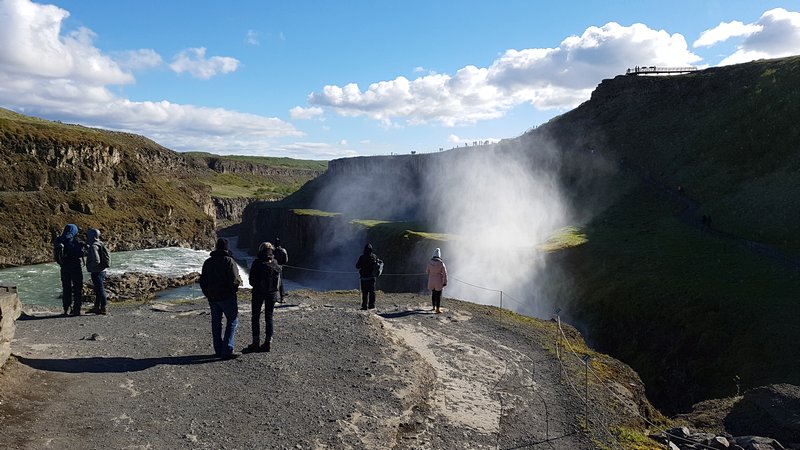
75, 312
265, 347
66, 312
102, 312
94, 310
252, 348
232, 355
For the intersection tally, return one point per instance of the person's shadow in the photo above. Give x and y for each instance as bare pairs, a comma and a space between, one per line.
117, 364
395, 315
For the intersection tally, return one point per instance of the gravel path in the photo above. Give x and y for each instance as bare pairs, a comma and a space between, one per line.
398, 377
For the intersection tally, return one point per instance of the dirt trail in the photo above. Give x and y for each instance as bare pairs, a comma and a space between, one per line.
400, 377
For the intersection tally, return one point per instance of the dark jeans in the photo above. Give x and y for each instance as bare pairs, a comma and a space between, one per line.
436, 297
268, 301
71, 286
223, 345
98, 285
368, 293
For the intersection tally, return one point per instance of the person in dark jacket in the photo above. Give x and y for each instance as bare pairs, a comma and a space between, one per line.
367, 266
219, 281
68, 252
265, 277
281, 257
97, 270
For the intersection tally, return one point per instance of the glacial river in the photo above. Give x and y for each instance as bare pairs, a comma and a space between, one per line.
40, 284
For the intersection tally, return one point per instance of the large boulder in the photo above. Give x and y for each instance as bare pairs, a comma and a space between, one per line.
10, 309
772, 411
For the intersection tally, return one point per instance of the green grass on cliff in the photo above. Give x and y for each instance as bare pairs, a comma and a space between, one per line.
229, 185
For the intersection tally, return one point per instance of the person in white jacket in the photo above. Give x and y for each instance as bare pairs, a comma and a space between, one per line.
437, 279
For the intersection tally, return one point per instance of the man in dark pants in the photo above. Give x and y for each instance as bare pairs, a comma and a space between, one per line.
367, 266
219, 281
96, 265
68, 252
281, 257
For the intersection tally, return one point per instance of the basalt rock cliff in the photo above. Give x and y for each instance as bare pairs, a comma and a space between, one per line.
137, 192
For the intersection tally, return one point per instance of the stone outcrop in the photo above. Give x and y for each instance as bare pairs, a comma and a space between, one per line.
231, 209
243, 167
10, 309
683, 438
138, 286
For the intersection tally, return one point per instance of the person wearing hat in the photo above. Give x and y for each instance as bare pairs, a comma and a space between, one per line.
437, 279
369, 267
96, 264
69, 252
219, 281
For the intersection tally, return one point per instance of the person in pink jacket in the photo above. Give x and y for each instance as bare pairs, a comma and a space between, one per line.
437, 279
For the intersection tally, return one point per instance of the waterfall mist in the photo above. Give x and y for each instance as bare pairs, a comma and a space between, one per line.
499, 204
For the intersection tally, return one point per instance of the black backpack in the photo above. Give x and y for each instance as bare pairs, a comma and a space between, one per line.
105, 258
271, 278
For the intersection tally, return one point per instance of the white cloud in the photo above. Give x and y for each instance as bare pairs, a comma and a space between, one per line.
560, 77
778, 36
252, 38
300, 113
725, 31
343, 142
419, 69
33, 46
48, 73
194, 61
139, 59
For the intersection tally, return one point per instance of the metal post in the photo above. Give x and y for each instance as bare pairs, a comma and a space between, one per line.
558, 347
501, 299
586, 359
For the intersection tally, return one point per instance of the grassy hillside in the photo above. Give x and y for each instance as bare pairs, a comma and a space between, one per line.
699, 311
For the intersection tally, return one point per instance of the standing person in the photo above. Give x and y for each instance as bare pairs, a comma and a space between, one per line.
265, 277
369, 268
97, 261
437, 279
219, 281
68, 252
282, 257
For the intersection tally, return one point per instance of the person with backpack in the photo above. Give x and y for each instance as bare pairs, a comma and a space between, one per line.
68, 252
437, 279
219, 281
281, 257
265, 277
369, 269
97, 261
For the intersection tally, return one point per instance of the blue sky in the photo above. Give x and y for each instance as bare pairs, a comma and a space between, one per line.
325, 79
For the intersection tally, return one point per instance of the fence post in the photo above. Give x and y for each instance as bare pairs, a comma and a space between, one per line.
501, 299
586, 359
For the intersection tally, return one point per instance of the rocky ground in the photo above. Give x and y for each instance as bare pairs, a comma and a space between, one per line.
398, 377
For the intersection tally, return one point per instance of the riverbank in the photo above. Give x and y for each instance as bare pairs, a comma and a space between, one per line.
398, 377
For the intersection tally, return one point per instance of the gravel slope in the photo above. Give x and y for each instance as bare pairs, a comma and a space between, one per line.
398, 377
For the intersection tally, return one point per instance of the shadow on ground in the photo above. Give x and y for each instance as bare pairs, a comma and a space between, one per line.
112, 364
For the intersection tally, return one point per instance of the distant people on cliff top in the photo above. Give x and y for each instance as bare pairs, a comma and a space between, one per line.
369, 268
265, 278
437, 279
282, 258
97, 261
219, 281
68, 252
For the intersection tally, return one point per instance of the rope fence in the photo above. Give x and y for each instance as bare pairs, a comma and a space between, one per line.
595, 421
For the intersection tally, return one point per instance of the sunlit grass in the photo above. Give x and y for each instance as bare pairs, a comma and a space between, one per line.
563, 238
